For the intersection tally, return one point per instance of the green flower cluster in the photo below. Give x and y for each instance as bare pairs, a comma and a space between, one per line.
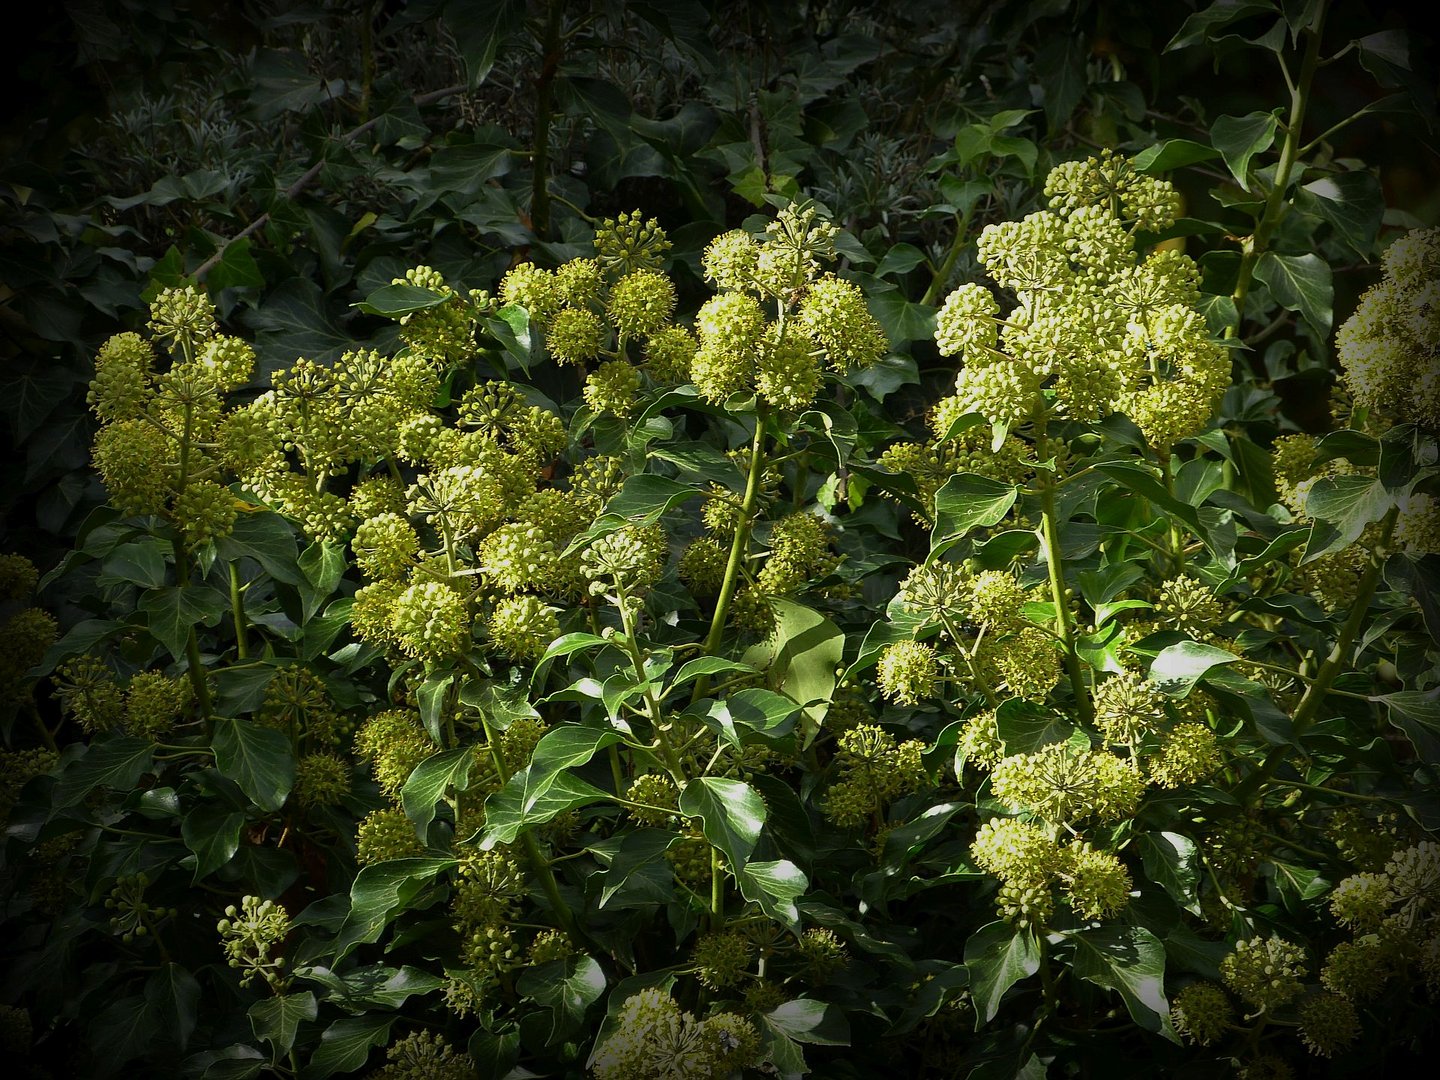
1105, 330
874, 770
424, 1055
654, 1039
1030, 862
251, 934
156, 449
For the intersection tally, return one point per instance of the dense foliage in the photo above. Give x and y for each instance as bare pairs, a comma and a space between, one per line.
638, 544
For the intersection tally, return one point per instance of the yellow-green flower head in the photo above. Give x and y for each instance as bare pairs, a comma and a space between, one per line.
796, 241
1098, 245
721, 960
640, 303
574, 335
835, 314
532, 288
787, 374
1358, 969
937, 589
1003, 391
425, 1055
1128, 708
908, 672
385, 546
1266, 973
154, 703
423, 277
87, 691
1328, 1023
824, 954
613, 387
18, 577
1027, 662
1201, 1013
1189, 605
751, 610
135, 461
965, 324
1017, 852
321, 780
702, 566
1414, 874
630, 559
1097, 884
394, 743
1361, 900
386, 834
995, 600
1026, 254
182, 315
980, 742
1063, 783
228, 360
431, 622
729, 326
668, 353
377, 495
1413, 259
730, 261
250, 933
122, 378
627, 243
465, 499
1188, 755
371, 612
205, 511
522, 627
516, 557
1025, 905
579, 283
658, 798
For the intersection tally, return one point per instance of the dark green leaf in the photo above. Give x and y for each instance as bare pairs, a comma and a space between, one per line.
323, 565
380, 891
256, 757
1025, 726
809, 1021
431, 699
731, 815
567, 988
1417, 714
1172, 862
373, 985
967, 501
1203, 26
346, 1044
1177, 668
1240, 138
642, 500
543, 789
269, 540
750, 712
1300, 283
997, 957
775, 885
277, 1020
114, 763
430, 780
1351, 202
173, 612
1347, 504
213, 833
395, 301
173, 996
639, 851
1172, 154
1131, 961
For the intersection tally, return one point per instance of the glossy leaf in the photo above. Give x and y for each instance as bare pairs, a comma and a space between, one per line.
731, 815
997, 957
1131, 961
256, 757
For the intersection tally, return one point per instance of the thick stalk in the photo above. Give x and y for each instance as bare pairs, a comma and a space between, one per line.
538, 862
237, 613
182, 578
652, 706
738, 546
1257, 243
1050, 536
1177, 542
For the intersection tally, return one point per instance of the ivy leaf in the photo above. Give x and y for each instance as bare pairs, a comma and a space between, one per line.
256, 757
373, 984
267, 538
1203, 26
213, 834
997, 957
397, 301
753, 711
538, 793
808, 1021
965, 502
1025, 726
1172, 154
1351, 202
731, 815
1240, 138
115, 763
172, 612
640, 850
642, 500
775, 885
430, 697
1300, 283
567, 987
1131, 961
378, 894
1171, 861
1417, 714
1177, 668
276, 1020
428, 783
1342, 506
346, 1044
323, 565
808, 650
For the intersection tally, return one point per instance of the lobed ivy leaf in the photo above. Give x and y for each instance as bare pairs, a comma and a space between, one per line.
1240, 138
379, 893
1342, 506
1131, 961
396, 301
277, 1020
429, 782
567, 987
1300, 283
257, 758
1203, 26
1025, 727
1417, 714
346, 1044
1171, 860
171, 613
1172, 154
997, 956
642, 500
543, 789
114, 763
731, 814
967, 501
213, 833
1177, 668
775, 885
805, 1020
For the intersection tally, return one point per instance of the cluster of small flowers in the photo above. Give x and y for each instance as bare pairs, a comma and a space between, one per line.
969, 450
134, 916
1396, 915
25, 633
823, 318
1106, 331
250, 934
654, 1037
1029, 863
424, 1055
1131, 711
154, 447
1389, 350
874, 771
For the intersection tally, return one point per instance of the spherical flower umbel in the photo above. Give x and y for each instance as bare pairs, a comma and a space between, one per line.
1328, 1023
1201, 1013
834, 314
640, 303
431, 621
574, 335
965, 324
532, 288
907, 672
1265, 972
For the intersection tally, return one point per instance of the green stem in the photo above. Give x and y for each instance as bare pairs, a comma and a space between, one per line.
237, 613
1309, 708
738, 546
652, 705
1177, 543
1257, 243
540, 159
1050, 537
